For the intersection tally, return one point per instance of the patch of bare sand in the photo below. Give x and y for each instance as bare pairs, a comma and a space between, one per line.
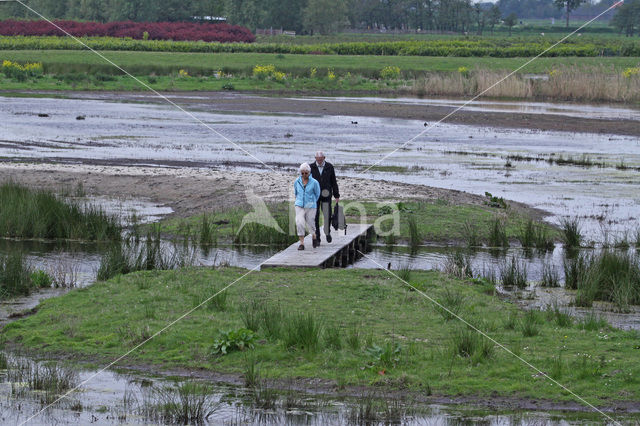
190, 191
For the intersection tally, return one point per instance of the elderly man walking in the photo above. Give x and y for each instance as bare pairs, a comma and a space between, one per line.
323, 172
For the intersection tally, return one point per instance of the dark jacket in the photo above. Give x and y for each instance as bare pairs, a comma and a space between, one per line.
327, 180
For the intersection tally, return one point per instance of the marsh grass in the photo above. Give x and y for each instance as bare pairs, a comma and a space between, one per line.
468, 343
458, 264
561, 319
513, 273
471, 234
333, 338
498, 234
529, 326
404, 272
219, 301
534, 235
250, 315
353, 339
415, 238
272, 318
256, 233
207, 232
592, 322
550, 276
51, 379
184, 403
15, 276
147, 255
453, 301
571, 232
28, 213
302, 331
612, 276
251, 371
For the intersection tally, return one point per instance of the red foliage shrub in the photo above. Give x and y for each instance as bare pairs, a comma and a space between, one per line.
157, 30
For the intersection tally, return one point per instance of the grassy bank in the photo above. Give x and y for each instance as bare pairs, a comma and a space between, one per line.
29, 213
419, 222
144, 63
575, 79
352, 327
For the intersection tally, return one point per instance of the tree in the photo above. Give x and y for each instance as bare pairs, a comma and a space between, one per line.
627, 17
510, 21
480, 17
568, 6
245, 12
324, 16
494, 16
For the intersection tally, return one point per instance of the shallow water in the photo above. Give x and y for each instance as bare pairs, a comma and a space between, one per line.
110, 397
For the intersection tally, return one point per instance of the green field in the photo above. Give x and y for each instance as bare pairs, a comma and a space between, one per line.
364, 328
144, 63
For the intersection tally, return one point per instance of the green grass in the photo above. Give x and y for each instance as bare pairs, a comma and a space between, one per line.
437, 221
105, 320
164, 63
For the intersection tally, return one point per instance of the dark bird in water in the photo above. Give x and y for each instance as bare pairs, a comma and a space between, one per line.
425, 124
80, 117
389, 265
354, 122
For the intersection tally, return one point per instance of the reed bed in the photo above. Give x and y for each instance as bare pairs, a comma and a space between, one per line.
29, 213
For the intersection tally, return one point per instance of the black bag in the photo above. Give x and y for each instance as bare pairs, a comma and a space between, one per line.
337, 218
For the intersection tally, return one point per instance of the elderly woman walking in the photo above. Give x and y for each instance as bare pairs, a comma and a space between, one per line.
307, 192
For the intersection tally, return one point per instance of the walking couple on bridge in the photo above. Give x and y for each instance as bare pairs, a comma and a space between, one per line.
313, 190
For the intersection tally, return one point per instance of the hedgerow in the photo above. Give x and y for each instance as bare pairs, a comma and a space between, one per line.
181, 31
499, 48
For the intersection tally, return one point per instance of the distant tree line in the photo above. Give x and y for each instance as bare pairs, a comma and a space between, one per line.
326, 16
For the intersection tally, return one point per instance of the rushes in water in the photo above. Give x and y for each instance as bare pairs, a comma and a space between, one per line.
550, 277
28, 213
535, 235
15, 276
471, 234
458, 265
572, 234
415, 238
498, 234
513, 273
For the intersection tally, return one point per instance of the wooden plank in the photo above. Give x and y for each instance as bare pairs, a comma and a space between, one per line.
316, 257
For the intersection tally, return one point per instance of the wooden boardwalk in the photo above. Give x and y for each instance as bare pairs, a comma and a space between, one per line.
342, 251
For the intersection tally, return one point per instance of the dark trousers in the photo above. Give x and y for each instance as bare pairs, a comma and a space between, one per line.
325, 206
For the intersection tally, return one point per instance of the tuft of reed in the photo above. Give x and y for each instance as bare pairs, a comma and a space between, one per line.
251, 372
15, 276
404, 272
250, 314
535, 235
333, 338
148, 255
592, 322
468, 343
562, 319
28, 213
185, 403
458, 265
415, 238
471, 234
207, 234
530, 324
353, 339
302, 331
513, 273
498, 234
571, 232
611, 276
453, 301
257, 233
550, 276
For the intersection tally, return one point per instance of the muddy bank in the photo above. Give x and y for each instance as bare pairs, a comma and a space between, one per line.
191, 190
226, 102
